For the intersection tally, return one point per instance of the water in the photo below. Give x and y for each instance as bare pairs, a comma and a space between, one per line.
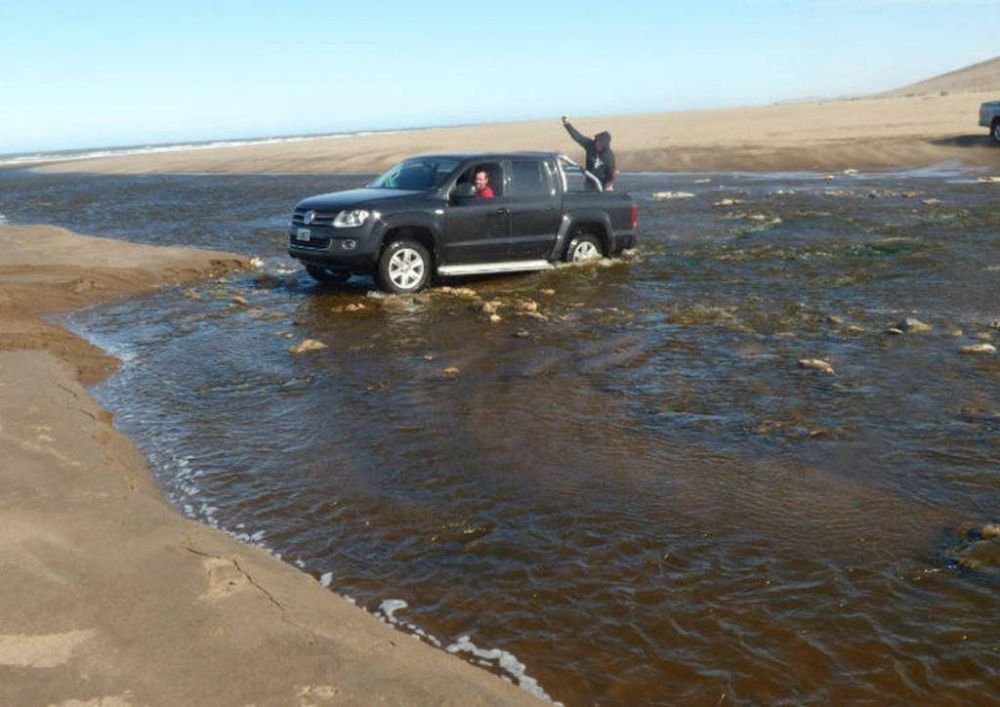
640, 496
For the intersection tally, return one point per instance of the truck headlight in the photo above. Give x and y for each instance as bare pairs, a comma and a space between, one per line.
351, 219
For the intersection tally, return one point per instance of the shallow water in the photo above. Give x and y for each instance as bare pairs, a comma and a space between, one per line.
639, 494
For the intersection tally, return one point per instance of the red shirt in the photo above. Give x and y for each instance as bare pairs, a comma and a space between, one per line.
485, 193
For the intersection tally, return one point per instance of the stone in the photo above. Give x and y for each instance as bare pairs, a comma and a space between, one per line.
984, 336
817, 364
728, 202
451, 371
466, 292
853, 329
527, 306
894, 331
930, 202
850, 171
979, 349
548, 292
990, 530
834, 319
488, 308
495, 319
307, 345
355, 307
673, 195
240, 301
913, 325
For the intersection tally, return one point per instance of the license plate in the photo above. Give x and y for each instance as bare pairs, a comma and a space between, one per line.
302, 234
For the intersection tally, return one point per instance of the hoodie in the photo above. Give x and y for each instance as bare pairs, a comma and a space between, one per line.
600, 158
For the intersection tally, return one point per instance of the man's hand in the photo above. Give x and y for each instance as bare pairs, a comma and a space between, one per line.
565, 119
610, 187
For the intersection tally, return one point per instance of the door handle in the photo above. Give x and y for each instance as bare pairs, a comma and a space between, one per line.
503, 211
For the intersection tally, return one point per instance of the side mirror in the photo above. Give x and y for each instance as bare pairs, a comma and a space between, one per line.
463, 191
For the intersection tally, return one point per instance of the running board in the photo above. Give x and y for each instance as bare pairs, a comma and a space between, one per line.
489, 268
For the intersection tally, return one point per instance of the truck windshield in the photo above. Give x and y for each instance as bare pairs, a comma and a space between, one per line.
418, 173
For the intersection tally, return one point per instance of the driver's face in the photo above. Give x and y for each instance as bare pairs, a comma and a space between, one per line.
481, 181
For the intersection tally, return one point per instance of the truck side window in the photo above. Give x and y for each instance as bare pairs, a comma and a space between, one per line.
529, 179
492, 169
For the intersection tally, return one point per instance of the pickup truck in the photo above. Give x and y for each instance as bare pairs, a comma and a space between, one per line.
427, 217
989, 117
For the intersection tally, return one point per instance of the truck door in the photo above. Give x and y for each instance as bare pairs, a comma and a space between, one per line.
535, 208
477, 229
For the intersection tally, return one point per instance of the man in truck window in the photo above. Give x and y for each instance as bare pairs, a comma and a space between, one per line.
482, 184
600, 158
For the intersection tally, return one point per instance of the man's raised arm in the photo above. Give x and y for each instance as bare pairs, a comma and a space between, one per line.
581, 139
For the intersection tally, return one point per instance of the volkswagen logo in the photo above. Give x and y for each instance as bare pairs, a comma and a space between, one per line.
308, 217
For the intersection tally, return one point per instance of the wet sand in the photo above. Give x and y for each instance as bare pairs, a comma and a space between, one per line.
110, 596
866, 133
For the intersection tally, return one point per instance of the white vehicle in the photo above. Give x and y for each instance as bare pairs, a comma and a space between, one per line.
989, 117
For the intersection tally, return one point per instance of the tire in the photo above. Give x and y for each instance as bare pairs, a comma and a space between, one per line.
404, 267
995, 130
325, 275
582, 247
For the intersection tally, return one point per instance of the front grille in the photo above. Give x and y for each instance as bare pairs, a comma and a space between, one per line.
314, 243
323, 218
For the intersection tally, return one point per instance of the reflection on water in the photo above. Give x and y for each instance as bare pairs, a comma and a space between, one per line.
629, 483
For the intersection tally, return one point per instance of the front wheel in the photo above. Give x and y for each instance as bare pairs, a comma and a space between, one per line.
404, 268
333, 277
583, 247
995, 131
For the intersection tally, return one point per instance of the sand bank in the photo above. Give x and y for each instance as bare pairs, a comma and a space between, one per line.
872, 133
109, 596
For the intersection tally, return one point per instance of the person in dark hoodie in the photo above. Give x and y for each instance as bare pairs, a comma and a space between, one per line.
600, 158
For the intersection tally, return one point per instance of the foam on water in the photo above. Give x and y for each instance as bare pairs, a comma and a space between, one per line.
504, 661
507, 663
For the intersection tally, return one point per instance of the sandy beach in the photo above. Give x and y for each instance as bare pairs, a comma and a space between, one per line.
890, 132
110, 596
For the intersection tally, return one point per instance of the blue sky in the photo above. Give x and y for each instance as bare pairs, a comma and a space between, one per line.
111, 73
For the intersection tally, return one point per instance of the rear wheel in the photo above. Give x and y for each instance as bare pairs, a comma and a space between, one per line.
995, 131
404, 268
583, 246
327, 275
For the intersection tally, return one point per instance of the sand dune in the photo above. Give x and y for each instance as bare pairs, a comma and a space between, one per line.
984, 76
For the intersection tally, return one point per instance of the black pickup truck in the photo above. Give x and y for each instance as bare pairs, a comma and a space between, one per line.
431, 215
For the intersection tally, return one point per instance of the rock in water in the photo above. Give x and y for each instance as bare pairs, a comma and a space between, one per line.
913, 325
307, 345
979, 349
673, 195
817, 364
